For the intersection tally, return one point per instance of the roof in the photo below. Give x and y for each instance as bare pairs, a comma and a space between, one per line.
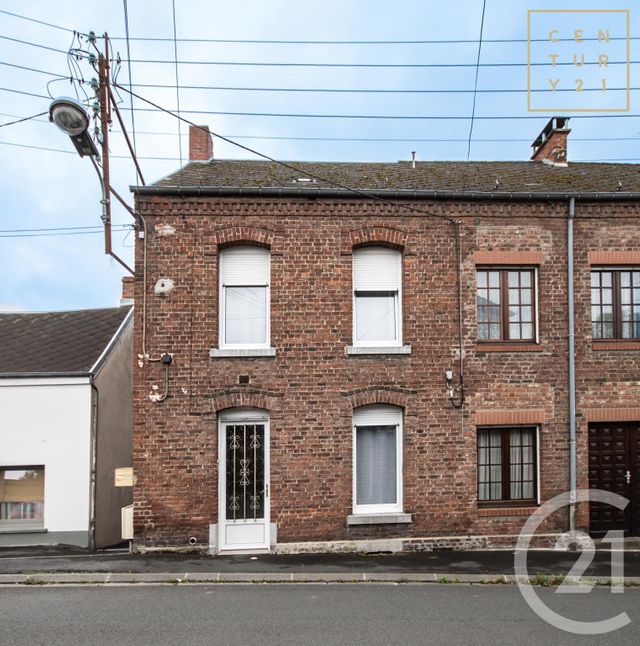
56, 342
482, 176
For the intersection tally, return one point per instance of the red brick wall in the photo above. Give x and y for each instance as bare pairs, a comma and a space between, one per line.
311, 387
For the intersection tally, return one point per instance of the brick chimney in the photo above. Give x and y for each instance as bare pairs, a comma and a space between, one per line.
127, 290
551, 144
200, 143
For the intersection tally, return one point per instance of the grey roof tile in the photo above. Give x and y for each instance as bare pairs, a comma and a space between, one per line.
56, 342
485, 176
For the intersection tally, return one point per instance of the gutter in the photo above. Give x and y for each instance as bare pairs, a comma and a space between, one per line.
571, 368
38, 375
393, 194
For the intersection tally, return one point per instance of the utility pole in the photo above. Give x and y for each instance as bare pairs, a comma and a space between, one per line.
105, 120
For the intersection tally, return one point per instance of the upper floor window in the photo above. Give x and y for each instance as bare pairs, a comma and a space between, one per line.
377, 297
506, 304
244, 297
615, 303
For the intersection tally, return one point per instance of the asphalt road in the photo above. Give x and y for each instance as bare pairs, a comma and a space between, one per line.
301, 615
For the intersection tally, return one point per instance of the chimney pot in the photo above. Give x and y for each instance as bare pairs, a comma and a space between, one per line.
128, 283
550, 145
200, 143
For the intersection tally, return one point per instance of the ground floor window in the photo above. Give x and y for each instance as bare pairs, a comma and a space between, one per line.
22, 497
377, 438
507, 464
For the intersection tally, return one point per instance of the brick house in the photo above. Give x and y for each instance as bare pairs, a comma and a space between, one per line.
299, 376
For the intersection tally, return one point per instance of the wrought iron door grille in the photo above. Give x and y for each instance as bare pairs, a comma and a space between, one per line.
245, 471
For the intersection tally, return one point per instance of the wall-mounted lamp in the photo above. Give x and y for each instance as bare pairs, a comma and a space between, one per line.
455, 393
70, 117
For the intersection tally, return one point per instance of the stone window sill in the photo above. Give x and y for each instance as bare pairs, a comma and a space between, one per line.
379, 519
357, 350
228, 353
616, 345
509, 347
23, 530
494, 512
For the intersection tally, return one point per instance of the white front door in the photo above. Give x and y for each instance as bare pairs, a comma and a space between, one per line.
243, 507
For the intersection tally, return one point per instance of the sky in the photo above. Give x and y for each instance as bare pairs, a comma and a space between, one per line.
40, 190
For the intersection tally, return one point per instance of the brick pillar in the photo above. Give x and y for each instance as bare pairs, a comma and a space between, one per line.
127, 290
200, 143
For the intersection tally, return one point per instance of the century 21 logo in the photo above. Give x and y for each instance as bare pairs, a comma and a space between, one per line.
578, 60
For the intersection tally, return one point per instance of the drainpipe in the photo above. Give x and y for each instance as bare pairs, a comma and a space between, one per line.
572, 369
93, 474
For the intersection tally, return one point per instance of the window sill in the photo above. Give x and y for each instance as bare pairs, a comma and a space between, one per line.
379, 519
616, 344
228, 353
509, 347
356, 350
493, 512
23, 530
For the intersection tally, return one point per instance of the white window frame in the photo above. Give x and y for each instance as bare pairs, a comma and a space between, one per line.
388, 415
222, 292
397, 302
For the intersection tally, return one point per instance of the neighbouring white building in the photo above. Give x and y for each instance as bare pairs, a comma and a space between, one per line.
65, 426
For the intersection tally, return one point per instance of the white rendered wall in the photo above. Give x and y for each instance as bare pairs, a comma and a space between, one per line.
48, 421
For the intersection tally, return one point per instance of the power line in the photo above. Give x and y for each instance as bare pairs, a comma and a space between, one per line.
11, 123
475, 87
452, 41
316, 42
327, 65
33, 69
133, 120
296, 169
326, 89
60, 233
417, 117
364, 65
83, 228
347, 139
71, 152
176, 159
26, 42
40, 22
371, 90
175, 56
38, 96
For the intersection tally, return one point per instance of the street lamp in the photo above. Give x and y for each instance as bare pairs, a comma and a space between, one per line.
70, 117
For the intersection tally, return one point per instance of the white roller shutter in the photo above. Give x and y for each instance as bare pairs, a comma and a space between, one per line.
376, 269
248, 266
377, 415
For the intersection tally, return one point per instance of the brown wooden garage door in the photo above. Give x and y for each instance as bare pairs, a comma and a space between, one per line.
614, 465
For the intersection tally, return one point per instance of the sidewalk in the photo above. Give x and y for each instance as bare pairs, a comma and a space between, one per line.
59, 565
